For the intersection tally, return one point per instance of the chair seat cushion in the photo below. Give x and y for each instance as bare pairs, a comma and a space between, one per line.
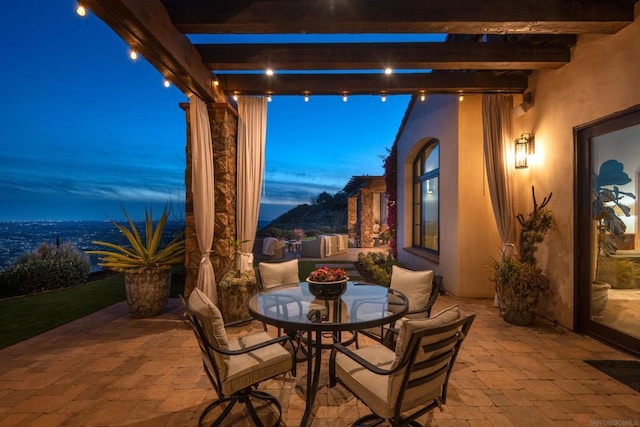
371, 388
246, 369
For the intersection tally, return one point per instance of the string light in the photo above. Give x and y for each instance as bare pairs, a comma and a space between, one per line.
423, 97
235, 97
81, 11
133, 54
383, 98
388, 71
269, 72
167, 83
306, 98
216, 83
268, 98
461, 98
344, 97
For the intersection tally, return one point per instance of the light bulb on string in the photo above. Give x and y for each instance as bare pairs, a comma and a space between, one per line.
461, 98
383, 98
423, 97
81, 10
306, 98
269, 99
344, 98
133, 54
167, 83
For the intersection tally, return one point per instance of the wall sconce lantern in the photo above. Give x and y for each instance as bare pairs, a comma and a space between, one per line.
524, 145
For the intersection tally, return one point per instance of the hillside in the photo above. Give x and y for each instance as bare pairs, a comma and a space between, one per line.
325, 213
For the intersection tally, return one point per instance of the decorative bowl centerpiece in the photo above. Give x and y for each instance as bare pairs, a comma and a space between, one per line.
327, 283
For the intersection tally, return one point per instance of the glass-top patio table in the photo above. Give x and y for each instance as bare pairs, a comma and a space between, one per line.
294, 308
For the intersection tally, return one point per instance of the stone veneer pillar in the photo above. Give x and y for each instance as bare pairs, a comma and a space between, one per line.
366, 217
352, 216
224, 128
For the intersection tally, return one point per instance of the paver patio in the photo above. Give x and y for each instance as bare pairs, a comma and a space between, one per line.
111, 369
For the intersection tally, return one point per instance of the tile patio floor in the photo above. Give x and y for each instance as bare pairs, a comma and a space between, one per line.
110, 369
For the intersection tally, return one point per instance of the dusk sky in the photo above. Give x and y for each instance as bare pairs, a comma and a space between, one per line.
83, 128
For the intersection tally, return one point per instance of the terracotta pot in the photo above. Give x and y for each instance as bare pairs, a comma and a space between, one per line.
148, 292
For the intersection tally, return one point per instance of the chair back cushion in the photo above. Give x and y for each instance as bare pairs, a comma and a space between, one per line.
415, 285
408, 327
210, 319
278, 273
428, 366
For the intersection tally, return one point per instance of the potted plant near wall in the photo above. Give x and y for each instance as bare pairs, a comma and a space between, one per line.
145, 263
520, 283
606, 207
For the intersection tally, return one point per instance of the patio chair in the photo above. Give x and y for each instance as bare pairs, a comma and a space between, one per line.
402, 385
236, 366
272, 274
421, 289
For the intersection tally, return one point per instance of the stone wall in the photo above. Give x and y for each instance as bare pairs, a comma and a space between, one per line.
366, 218
352, 217
223, 122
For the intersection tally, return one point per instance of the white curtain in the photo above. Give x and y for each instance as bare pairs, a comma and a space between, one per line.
252, 133
496, 119
203, 193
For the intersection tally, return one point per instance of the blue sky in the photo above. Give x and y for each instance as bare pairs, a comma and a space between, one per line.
83, 128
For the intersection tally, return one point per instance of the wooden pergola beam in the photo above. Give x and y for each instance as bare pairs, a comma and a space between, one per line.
355, 56
358, 84
146, 26
400, 16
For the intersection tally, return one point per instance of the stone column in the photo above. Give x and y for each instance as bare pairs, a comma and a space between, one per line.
352, 216
224, 126
366, 217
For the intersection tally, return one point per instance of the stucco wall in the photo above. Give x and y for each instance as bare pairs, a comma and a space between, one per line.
601, 79
467, 229
478, 237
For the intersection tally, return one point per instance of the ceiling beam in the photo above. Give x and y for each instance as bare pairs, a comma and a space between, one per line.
359, 56
358, 84
146, 27
400, 16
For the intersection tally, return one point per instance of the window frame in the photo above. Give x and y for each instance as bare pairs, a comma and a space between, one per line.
418, 182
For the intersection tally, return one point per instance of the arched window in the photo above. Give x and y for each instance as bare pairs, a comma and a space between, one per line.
426, 175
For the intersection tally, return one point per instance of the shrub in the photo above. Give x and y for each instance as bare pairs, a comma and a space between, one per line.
45, 268
271, 232
620, 273
379, 265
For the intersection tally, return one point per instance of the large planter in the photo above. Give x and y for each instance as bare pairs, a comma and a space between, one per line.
233, 294
599, 298
148, 292
517, 309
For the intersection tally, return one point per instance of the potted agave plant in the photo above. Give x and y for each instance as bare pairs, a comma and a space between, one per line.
145, 264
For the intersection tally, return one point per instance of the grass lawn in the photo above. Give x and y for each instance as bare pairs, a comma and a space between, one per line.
30, 315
